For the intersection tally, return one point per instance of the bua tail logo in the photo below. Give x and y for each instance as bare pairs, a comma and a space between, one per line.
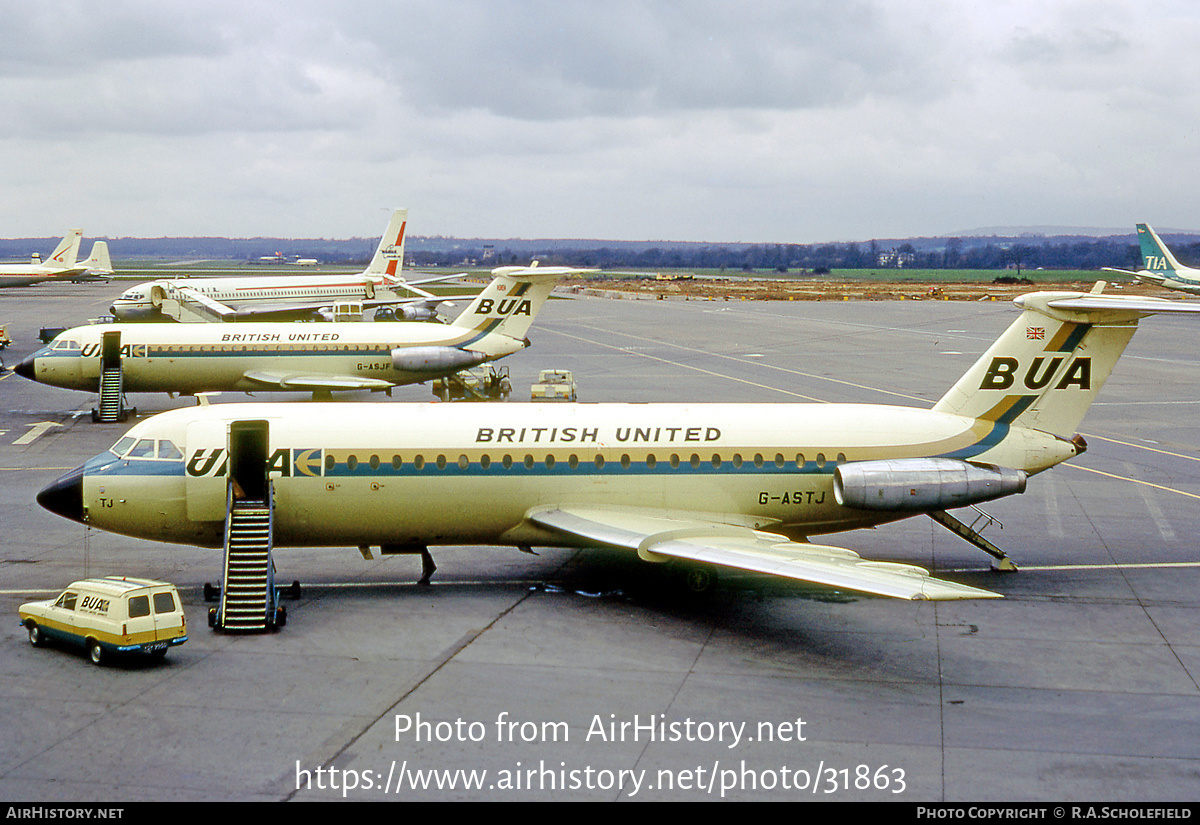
1003, 373
504, 307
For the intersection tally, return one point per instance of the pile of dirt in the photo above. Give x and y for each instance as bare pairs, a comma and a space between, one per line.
710, 289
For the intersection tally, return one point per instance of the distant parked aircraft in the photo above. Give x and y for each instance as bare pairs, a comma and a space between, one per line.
59, 266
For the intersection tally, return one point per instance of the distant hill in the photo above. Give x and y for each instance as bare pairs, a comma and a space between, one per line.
1051, 247
1062, 231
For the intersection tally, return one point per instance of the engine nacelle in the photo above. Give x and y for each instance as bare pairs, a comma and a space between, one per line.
434, 359
407, 312
417, 312
922, 484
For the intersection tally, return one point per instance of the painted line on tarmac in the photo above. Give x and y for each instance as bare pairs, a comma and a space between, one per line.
1134, 480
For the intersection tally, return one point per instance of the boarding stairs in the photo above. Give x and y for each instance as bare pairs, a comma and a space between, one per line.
249, 601
1002, 561
112, 394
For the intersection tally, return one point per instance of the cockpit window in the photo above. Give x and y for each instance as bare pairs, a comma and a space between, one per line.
121, 446
143, 449
65, 344
168, 450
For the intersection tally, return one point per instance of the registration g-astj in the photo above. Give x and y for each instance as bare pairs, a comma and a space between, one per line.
745, 486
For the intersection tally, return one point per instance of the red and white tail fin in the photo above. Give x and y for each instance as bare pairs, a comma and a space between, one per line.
66, 253
389, 257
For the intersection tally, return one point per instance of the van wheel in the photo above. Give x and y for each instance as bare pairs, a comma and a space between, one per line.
35, 635
95, 652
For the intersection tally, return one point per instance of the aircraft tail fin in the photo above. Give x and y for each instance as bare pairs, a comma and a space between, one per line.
1045, 370
98, 261
1156, 258
389, 256
67, 251
508, 305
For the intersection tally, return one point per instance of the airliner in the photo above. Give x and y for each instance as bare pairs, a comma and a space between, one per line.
291, 356
61, 265
308, 297
743, 486
1159, 265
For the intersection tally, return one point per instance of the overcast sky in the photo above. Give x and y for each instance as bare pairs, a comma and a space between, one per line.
793, 122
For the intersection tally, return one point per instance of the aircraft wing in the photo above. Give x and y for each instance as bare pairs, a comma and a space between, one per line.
655, 536
206, 305
1141, 275
316, 382
268, 311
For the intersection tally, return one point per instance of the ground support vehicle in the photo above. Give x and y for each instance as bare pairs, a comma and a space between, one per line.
485, 383
108, 616
553, 385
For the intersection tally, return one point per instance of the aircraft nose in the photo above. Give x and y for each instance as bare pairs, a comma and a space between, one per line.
64, 496
25, 369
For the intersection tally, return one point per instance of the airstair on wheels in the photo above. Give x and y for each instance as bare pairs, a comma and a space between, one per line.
249, 600
112, 407
112, 380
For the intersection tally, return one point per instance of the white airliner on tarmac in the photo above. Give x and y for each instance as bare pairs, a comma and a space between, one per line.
733, 485
1159, 265
321, 358
61, 265
284, 296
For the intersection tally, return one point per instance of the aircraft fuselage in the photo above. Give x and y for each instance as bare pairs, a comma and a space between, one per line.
143, 302
190, 358
447, 474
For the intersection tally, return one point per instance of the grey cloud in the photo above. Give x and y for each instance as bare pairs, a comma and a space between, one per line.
631, 58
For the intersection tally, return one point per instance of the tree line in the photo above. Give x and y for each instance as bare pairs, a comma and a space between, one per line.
952, 253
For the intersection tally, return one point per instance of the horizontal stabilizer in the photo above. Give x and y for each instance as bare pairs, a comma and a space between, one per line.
658, 537
1123, 303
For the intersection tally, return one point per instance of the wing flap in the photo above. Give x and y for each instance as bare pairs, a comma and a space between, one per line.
657, 537
301, 382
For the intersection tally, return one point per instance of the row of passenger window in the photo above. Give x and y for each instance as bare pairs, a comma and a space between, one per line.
573, 461
167, 350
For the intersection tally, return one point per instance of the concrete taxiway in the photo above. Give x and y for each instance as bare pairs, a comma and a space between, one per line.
577, 676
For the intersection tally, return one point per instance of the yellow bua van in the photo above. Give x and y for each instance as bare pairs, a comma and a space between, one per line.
115, 614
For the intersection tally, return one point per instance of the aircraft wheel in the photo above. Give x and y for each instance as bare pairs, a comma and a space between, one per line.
35, 635
698, 579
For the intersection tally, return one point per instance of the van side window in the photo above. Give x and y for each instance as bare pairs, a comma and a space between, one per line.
66, 600
164, 603
139, 606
